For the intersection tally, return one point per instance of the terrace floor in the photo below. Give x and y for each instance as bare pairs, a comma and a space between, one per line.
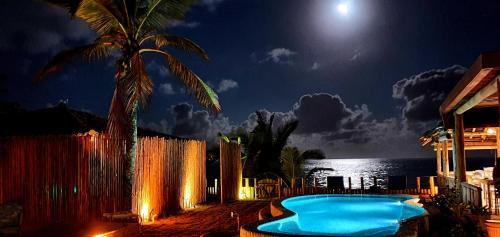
211, 219
206, 220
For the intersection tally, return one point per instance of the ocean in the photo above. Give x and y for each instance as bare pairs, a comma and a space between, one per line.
381, 168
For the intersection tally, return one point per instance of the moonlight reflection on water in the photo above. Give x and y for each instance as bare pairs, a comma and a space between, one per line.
381, 168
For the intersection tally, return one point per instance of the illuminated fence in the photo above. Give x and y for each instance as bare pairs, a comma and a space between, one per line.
169, 176
230, 171
60, 178
77, 178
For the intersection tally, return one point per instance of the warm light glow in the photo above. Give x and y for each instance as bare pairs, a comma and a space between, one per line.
491, 131
187, 196
145, 212
343, 8
106, 234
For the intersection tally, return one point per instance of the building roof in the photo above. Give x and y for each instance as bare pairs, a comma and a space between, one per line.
479, 106
58, 120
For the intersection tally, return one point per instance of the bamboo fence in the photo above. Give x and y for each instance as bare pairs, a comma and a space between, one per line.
61, 178
75, 179
169, 176
230, 171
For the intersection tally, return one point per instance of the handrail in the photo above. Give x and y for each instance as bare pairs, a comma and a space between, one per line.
472, 194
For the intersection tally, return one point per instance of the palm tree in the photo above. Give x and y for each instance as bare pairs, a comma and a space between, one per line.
264, 146
292, 164
133, 28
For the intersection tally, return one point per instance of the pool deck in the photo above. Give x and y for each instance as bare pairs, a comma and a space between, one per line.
207, 220
211, 219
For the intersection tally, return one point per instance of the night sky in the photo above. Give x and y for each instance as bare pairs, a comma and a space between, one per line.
362, 84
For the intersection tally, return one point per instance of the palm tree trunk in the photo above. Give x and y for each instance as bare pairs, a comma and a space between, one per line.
131, 155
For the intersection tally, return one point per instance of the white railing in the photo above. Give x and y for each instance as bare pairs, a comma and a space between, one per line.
472, 195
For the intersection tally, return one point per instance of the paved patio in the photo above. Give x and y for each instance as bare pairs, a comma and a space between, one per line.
207, 220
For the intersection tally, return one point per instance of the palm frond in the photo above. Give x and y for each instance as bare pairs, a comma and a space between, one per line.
160, 12
102, 16
284, 132
96, 50
203, 93
138, 87
180, 43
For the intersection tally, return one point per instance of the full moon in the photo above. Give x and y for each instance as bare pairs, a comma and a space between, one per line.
343, 9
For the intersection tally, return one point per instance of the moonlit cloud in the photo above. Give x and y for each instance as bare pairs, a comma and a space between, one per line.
279, 55
211, 4
226, 84
315, 66
37, 28
167, 89
184, 24
158, 68
423, 93
355, 57
325, 122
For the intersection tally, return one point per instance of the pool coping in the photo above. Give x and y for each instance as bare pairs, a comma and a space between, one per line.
278, 211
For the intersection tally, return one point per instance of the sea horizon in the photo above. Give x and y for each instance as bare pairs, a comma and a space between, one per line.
383, 167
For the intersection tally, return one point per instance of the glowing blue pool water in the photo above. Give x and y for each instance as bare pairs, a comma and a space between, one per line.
344, 215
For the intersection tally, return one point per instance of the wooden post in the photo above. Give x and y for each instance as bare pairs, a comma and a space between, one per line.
303, 185
247, 187
350, 185
497, 141
446, 163
418, 185
439, 151
362, 184
254, 188
280, 181
216, 186
431, 185
375, 181
458, 150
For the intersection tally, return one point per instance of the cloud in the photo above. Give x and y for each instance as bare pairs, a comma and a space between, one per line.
34, 27
323, 112
371, 139
279, 55
167, 89
184, 24
197, 124
162, 126
343, 131
211, 4
158, 68
315, 66
280, 118
325, 122
423, 93
355, 57
226, 84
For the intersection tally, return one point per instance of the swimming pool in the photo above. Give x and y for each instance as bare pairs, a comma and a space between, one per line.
344, 215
